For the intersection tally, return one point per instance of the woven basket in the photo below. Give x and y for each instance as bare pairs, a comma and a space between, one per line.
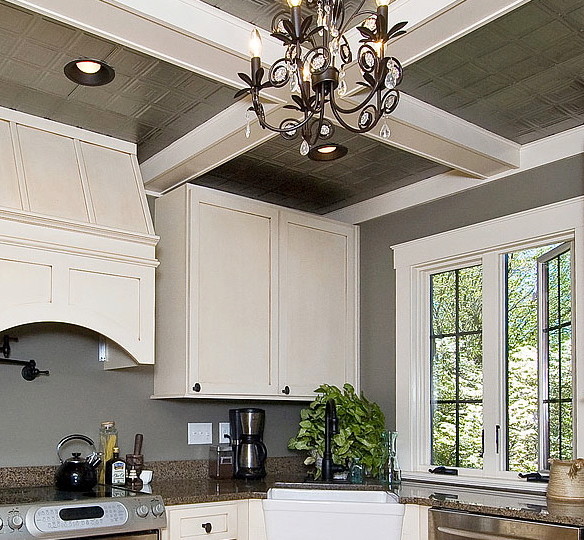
566, 480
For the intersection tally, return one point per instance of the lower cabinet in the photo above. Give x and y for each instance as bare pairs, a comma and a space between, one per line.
415, 525
244, 520
219, 521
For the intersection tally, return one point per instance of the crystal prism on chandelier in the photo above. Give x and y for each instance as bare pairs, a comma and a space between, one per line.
317, 58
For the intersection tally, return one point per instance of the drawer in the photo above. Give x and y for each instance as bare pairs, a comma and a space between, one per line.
217, 522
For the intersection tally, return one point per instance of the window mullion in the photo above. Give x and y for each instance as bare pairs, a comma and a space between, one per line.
493, 365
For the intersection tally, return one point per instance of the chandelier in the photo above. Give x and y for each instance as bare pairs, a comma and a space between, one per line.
317, 53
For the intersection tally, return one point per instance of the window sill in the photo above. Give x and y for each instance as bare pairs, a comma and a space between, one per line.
506, 484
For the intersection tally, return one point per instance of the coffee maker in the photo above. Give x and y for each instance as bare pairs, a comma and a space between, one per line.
249, 451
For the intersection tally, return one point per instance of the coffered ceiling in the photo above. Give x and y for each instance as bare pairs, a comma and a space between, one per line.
481, 79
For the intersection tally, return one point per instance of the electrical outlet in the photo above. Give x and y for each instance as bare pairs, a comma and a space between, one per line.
200, 433
224, 433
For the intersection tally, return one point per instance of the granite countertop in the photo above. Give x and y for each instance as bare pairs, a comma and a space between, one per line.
188, 482
516, 504
495, 502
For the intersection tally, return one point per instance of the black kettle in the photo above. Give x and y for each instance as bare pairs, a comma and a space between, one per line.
77, 473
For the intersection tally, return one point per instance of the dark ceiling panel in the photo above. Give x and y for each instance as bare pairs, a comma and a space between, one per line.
521, 76
276, 172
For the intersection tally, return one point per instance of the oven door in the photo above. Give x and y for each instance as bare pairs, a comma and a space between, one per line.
146, 535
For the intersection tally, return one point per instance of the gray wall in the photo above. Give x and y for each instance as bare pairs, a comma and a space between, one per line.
78, 395
551, 183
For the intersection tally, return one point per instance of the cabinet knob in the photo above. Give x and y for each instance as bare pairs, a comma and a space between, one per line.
197, 387
208, 527
286, 390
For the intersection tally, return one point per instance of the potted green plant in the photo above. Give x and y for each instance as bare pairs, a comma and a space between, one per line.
361, 424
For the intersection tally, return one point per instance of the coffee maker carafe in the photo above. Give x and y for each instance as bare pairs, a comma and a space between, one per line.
249, 451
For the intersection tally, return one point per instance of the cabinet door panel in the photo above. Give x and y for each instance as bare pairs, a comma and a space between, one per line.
234, 303
317, 304
215, 521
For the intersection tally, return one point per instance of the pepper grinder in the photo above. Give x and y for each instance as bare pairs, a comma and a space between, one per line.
135, 464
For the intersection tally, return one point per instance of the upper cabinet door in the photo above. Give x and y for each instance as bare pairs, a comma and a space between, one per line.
317, 304
233, 261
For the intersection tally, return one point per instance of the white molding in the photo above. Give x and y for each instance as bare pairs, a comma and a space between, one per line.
83, 252
550, 220
49, 222
566, 144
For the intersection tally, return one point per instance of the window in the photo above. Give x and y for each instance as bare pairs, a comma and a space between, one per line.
456, 367
484, 341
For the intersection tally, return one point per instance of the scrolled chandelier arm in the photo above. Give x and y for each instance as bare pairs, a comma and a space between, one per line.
314, 62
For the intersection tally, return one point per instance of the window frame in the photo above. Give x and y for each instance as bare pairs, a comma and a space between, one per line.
483, 243
543, 345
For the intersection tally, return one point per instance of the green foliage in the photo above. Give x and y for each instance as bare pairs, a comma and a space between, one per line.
361, 423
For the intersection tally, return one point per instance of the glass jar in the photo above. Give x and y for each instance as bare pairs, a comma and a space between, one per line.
356, 472
108, 440
390, 471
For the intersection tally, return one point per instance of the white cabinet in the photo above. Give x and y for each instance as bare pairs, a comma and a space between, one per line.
252, 300
415, 526
317, 303
215, 521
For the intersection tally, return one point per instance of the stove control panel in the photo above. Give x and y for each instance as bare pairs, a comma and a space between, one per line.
80, 516
83, 518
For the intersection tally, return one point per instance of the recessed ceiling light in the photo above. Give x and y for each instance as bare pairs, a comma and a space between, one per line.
89, 72
327, 152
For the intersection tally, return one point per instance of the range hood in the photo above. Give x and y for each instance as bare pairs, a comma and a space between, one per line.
77, 244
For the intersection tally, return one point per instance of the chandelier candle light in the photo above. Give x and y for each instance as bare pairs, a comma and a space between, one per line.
314, 63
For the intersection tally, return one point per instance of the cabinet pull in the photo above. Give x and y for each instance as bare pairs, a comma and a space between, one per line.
208, 527
286, 390
197, 387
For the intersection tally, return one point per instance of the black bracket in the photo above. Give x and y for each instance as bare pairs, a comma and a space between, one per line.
444, 470
29, 371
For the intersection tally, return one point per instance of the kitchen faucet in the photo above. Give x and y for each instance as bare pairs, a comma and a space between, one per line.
331, 427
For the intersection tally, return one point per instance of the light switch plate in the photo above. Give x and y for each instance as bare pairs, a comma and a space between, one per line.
200, 433
224, 429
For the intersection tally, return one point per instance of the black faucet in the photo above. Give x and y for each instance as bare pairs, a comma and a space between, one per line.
331, 427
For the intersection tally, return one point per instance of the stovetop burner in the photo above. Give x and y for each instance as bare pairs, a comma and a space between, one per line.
46, 494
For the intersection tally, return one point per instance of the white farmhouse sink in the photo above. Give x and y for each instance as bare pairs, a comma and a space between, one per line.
339, 514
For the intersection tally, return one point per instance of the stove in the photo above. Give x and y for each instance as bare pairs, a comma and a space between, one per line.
105, 512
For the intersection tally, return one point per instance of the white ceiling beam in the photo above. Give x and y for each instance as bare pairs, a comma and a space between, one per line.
219, 140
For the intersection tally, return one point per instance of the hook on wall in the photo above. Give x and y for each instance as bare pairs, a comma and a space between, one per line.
29, 371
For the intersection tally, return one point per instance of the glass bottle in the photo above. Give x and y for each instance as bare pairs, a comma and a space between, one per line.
115, 469
393, 465
108, 440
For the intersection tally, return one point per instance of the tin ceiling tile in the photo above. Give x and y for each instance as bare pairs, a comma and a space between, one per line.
34, 54
14, 19
19, 72
51, 34
523, 20
55, 84
90, 47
